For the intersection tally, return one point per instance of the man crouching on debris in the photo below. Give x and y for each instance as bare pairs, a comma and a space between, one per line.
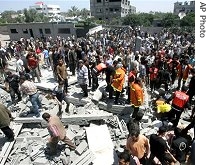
5, 118
57, 133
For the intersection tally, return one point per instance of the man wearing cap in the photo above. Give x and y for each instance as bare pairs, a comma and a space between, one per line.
82, 77
29, 88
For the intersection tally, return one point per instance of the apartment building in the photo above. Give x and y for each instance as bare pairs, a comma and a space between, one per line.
108, 9
48, 10
184, 7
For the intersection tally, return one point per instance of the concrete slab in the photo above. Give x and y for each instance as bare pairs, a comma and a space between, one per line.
8, 145
81, 147
100, 144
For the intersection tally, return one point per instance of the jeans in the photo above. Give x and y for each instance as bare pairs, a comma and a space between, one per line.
36, 103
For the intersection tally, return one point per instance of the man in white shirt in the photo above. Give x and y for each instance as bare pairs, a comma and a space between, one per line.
19, 65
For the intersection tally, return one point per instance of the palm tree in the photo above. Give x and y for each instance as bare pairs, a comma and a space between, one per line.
73, 11
84, 13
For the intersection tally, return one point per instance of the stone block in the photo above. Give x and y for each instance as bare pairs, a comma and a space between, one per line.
41, 161
70, 134
80, 133
67, 151
81, 148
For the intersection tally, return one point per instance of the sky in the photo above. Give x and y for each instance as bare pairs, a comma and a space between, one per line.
141, 5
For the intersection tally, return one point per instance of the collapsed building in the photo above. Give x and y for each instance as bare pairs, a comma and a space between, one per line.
96, 126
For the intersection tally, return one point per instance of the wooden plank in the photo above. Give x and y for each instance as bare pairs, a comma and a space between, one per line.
8, 145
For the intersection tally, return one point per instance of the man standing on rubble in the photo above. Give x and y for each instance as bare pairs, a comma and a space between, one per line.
136, 96
29, 88
57, 132
5, 118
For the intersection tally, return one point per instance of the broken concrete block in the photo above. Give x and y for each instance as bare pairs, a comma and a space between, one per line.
41, 161
67, 151
24, 145
145, 119
80, 134
70, 134
81, 148
74, 128
64, 159
43, 133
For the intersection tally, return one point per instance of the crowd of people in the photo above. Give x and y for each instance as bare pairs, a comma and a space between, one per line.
162, 59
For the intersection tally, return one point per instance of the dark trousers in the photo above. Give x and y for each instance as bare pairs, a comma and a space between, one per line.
67, 104
152, 85
94, 82
117, 94
191, 93
72, 67
54, 143
8, 132
135, 111
84, 88
174, 116
66, 85
13, 92
111, 91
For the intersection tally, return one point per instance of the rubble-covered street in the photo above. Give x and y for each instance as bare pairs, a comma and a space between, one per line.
96, 127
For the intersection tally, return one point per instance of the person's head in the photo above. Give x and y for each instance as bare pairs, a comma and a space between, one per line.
162, 130
139, 116
134, 69
17, 57
60, 61
22, 79
124, 158
135, 135
46, 116
81, 62
138, 81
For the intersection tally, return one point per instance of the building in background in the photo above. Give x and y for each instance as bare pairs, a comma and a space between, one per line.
184, 7
108, 9
48, 10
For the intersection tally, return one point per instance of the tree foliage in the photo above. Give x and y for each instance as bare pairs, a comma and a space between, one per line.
188, 20
170, 20
73, 11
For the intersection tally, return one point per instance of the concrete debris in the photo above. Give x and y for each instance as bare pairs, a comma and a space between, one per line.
85, 115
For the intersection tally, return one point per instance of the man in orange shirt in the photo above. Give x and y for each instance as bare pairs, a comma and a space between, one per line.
136, 96
117, 83
138, 145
